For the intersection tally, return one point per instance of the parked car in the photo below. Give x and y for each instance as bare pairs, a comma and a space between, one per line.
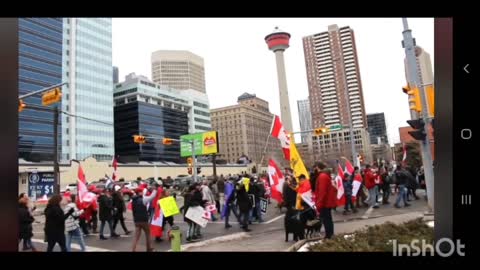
181, 181
96, 187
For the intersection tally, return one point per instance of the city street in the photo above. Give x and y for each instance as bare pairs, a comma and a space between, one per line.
267, 236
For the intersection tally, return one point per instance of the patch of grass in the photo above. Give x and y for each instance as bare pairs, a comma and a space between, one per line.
378, 238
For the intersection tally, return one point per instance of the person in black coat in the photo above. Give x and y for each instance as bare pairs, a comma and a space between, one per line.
118, 210
25, 220
289, 193
244, 205
55, 223
193, 198
105, 205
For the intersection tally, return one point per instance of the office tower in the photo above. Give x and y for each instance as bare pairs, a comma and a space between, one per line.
305, 118
243, 130
377, 128
87, 67
39, 66
180, 70
115, 75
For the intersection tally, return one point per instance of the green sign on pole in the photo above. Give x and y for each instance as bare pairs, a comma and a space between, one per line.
205, 143
336, 127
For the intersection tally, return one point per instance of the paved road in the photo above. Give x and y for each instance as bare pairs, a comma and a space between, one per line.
215, 232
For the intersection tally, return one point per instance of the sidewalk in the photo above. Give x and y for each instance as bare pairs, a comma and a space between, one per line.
275, 240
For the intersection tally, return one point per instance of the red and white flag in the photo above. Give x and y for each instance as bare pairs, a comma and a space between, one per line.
278, 131
357, 182
404, 159
114, 165
156, 229
348, 166
277, 179
81, 184
339, 185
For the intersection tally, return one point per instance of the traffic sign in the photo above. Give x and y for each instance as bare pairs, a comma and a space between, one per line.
336, 127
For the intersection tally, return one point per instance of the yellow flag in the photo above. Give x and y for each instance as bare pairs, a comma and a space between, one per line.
246, 183
296, 162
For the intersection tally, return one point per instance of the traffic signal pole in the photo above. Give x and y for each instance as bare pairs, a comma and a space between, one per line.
56, 170
194, 161
414, 74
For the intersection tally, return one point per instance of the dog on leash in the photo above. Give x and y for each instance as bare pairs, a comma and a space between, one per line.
295, 224
313, 227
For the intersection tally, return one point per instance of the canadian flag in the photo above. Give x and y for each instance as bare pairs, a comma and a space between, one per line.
114, 165
339, 186
81, 184
278, 131
156, 229
277, 179
348, 166
357, 182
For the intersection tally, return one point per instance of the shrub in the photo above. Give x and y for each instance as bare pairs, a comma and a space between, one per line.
378, 238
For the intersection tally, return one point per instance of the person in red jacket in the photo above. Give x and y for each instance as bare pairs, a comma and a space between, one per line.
325, 197
371, 186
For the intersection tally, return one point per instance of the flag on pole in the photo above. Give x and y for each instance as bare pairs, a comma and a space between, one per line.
296, 162
156, 229
114, 165
277, 179
404, 159
278, 131
81, 184
340, 170
348, 166
340, 190
298, 167
357, 182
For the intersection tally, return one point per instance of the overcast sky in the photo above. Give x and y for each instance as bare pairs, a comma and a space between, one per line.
237, 59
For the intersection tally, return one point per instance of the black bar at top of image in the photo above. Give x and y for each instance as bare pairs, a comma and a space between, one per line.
9, 134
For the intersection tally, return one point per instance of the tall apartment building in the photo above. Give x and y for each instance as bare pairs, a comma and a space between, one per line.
243, 129
377, 128
87, 67
180, 70
332, 66
305, 117
39, 66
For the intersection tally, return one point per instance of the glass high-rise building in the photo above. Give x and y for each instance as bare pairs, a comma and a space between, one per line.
40, 66
87, 67
305, 117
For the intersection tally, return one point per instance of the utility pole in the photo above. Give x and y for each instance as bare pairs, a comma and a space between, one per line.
214, 161
409, 45
56, 170
194, 161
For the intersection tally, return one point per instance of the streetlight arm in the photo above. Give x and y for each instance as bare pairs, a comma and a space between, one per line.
41, 90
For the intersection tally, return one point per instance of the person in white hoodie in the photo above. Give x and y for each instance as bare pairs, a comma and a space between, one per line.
72, 226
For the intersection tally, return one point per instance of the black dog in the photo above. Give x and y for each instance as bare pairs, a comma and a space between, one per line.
313, 227
294, 223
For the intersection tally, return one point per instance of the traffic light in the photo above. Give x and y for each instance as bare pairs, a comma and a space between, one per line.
167, 141
320, 131
430, 100
189, 170
199, 170
360, 157
413, 98
21, 105
419, 132
52, 96
139, 139
190, 162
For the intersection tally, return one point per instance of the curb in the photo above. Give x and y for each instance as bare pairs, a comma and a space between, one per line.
299, 244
